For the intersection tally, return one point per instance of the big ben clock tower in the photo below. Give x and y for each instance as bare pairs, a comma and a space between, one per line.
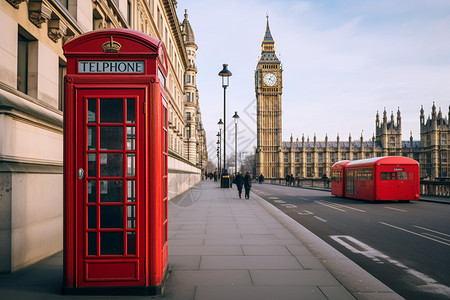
268, 88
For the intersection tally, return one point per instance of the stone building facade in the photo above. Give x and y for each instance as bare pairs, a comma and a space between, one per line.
313, 158
32, 73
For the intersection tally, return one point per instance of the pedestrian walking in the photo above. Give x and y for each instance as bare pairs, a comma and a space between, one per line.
261, 178
239, 180
247, 185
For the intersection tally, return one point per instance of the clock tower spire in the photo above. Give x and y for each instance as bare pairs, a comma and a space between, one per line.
268, 89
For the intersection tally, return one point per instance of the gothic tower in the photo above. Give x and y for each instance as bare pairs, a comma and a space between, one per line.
389, 133
268, 88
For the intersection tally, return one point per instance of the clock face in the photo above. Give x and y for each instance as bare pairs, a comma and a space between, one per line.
270, 79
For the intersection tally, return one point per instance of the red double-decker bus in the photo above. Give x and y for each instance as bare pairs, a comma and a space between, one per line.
338, 178
378, 178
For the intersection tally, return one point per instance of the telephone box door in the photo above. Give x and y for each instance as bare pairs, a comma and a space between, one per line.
110, 222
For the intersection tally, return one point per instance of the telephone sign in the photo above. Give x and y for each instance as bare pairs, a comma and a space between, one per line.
110, 66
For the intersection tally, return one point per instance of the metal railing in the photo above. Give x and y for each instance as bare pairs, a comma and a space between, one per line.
427, 187
435, 188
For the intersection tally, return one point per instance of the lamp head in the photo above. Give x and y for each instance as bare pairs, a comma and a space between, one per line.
225, 74
235, 117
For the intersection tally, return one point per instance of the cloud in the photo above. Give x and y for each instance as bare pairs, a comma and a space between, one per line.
342, 60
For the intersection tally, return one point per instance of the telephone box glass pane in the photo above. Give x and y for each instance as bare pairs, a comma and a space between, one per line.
131, 165
111, 190
92, 217
92, 191
111, 164
111, 216
131, 216
111, 110
131, 243
92, 165
131, 186
111, 138
131, 138
92, 111
111, 243
131, 111
92, 243
92, 138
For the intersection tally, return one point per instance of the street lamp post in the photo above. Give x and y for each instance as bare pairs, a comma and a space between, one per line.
236, 118
225, 74
218, 150
222, 145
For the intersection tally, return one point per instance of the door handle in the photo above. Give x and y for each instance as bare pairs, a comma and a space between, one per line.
80, 173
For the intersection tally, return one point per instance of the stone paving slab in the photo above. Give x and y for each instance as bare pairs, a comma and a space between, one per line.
223, 247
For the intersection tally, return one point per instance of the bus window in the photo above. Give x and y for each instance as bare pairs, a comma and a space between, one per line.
388, 176
402, 175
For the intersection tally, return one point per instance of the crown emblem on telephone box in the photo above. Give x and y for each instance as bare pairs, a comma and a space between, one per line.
111, 46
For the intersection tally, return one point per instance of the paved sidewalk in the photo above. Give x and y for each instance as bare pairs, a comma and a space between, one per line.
223, 247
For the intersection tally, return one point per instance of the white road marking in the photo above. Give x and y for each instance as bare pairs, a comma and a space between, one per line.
279, 201
397, 209
320, 219
329, 205
415, 233
289, 205
349, 207
271, 198
337, 206
436, 237
430, 285
304, 212
431, 230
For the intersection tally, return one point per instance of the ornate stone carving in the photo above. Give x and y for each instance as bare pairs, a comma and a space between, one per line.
56, 29
15, 3
38, 12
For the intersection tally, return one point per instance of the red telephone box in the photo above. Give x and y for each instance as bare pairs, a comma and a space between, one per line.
115, 164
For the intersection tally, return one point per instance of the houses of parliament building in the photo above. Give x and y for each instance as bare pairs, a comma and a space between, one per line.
313, 159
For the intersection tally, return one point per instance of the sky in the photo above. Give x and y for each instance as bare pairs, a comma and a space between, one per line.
343, 60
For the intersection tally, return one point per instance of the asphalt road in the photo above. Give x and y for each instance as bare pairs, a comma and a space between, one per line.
404, 245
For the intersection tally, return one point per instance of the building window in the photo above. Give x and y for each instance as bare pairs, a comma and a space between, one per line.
308, 157
129, 12
297, 156
443, 139
344, 156
308, 172
61, 73
332, 158
188, 131
188, 97
64, 3
188, 78
297, 172
392, 142
320, 157
22, 64
188, 116
286, 157
444, 157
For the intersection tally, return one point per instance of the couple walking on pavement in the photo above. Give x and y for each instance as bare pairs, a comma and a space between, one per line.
243, 181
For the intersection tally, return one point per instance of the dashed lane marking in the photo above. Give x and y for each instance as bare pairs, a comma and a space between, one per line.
305, 212
397, 209
289, 205
320, 219
279, 201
